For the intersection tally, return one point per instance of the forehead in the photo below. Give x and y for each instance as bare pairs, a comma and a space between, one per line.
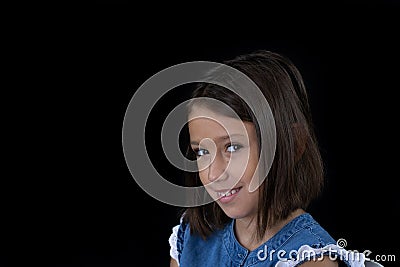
204, 122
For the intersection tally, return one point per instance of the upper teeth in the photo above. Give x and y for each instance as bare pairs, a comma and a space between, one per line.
227, 194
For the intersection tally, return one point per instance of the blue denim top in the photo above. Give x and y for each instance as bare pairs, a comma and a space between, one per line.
222, 248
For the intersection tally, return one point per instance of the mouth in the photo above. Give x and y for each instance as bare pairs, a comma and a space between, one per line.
229, 195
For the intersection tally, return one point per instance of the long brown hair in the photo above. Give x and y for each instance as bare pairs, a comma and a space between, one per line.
296, 174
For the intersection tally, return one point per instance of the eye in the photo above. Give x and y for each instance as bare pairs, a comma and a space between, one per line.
233, 147
200, 152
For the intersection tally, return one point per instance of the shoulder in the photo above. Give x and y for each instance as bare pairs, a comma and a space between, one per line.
309, 244
191, 249
176, 240
305, 230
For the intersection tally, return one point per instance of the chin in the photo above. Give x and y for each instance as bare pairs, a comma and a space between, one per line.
234, 213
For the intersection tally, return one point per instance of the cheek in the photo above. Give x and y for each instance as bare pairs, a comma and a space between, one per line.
203, 177
237, 167
241, 165
244, 169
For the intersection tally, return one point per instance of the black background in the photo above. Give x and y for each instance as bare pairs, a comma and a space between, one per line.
88, 211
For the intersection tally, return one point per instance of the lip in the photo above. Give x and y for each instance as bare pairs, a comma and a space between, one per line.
231, 197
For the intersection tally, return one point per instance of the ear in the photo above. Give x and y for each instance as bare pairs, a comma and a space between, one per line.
300, 136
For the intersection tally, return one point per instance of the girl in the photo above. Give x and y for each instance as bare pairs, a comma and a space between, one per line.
267, 226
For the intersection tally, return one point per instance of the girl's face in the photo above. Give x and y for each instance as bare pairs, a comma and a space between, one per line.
227, 157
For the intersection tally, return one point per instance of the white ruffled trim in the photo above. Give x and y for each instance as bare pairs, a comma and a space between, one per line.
173, 252
355, 259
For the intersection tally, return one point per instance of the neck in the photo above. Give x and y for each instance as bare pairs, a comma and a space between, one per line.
246, 230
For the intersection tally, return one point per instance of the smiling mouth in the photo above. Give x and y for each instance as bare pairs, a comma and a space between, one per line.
229, 193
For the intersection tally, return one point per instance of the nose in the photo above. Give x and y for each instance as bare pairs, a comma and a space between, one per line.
217, 168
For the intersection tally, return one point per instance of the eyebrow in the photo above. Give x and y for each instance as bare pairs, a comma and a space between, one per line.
218, 138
